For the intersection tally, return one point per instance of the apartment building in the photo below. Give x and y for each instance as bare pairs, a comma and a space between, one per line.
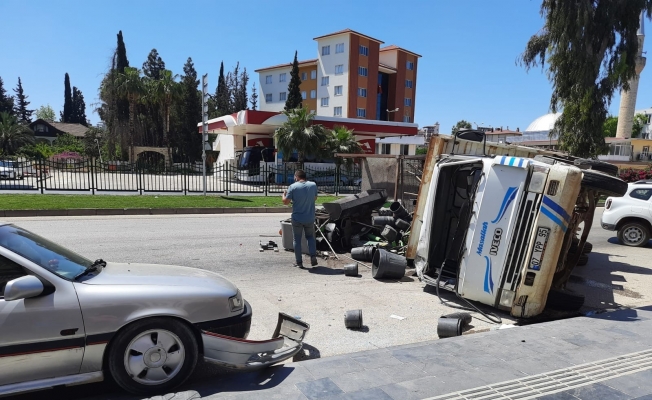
353, 76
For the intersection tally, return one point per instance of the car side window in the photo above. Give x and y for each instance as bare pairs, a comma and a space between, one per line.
9, 271
641, 194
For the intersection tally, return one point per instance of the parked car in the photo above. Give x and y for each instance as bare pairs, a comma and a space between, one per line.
10, 170
630, 215
67, 320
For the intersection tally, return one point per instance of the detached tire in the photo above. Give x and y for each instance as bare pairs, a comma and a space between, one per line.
588, 247
564, 301
634, 234
153, 355
603, 183
597, 165
583, 260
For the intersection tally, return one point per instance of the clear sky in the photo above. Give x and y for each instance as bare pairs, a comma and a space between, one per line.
469, 48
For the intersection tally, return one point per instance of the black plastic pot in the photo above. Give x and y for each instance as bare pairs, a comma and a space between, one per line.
389, 233
399, 211
465, 317
351, 269
381, 221
449, 327
353, 319
386, 265
364, 253
401, 224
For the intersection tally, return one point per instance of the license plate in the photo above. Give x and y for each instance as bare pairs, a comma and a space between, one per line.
540, 243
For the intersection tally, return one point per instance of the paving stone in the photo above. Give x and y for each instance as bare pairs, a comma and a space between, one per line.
558, 396
281, 393
398, 392
319, 388
376, 360
418, 389
332, 366
368, 394
636, 385
403, 372
598, 391
361, 380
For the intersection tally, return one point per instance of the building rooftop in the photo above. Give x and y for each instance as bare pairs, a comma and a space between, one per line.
395, 47
77, 130
301, 63
543, 123
347, 30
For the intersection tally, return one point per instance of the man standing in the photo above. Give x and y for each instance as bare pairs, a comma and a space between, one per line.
303, 195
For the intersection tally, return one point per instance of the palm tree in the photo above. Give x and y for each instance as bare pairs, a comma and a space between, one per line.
300, 134
13, 135
131, 85
164, 91
343, 141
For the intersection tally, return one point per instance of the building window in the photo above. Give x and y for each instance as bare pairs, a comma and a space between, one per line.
406, 118
313, 74
312, 111
337, 111
325, 50
410, 65
408, 102
405, 149
268, 79
362, 92
385, 148
363, 71
304, 76
324, 101
339, 69
364, 50
408, 83
339, 48
362, 113
268, 98
281, 77
303, 95
338, 90
324, 80
282, 96
313, 94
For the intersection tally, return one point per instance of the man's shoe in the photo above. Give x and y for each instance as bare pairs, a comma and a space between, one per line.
313, 261
297, 265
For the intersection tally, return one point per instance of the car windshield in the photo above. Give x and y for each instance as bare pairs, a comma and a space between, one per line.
51, 256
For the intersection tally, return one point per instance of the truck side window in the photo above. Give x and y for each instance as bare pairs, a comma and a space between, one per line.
641, 194
9, 271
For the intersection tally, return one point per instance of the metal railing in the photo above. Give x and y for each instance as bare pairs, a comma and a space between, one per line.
94, 176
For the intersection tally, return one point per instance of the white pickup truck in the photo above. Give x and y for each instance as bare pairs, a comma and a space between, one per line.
498, 224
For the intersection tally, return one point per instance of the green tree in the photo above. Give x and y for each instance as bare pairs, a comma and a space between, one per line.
609, 126
163, 92
131, 85
189, 113
36, 150
13, 135
254, 98
154, 65
299, 133
589, 48
6, 101
611, 123
461, 124
67, 114
240, 95
78, 115
94, 141
294, 99
640, 120
21, 111
222, 95
45, 113
67, 142
343, 141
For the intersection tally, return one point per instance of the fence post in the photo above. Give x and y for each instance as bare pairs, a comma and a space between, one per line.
184, 176
41, 164
265, 178
91, 163
227, 177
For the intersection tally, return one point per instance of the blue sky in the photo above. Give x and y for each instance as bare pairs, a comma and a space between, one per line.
469, 47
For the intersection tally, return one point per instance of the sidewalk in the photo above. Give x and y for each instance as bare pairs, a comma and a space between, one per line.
605, 356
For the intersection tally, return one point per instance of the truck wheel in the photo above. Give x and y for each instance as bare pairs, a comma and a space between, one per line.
634, 234
564, 301
155, 354
583, 260
597, 165
603, 183
588, 247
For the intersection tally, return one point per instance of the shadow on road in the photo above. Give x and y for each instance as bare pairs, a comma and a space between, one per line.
614, 240
319, 270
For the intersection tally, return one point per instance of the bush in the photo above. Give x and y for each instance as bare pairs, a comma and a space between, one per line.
633, 175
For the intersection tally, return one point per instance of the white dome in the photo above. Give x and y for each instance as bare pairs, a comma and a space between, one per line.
543, 123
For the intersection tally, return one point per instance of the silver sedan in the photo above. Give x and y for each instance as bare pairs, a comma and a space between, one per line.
66, 320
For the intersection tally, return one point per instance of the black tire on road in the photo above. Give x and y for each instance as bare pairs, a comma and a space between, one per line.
117, 354
583, 260
564, 301
598, 166
634, 234
603, 183
588, 247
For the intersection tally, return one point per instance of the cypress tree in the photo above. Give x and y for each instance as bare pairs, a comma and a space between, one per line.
121, 55
190, 140
154, 65
67, 114
241, 92
254, 98
222, 95
294, 99
6, 101
78, 107
20, 109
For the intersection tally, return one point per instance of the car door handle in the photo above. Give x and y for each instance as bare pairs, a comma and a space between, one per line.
69, 332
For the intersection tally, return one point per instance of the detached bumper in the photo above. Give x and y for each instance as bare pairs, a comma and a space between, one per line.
235, 353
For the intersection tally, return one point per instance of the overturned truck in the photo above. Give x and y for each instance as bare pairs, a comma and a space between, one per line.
505, 225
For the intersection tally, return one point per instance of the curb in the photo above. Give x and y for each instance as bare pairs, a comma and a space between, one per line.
78, 212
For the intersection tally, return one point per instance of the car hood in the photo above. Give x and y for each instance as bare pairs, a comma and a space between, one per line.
158, 275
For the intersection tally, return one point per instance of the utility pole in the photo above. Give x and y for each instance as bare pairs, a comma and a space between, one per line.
204, 125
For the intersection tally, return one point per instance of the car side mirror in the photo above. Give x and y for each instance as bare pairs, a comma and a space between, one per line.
24, 287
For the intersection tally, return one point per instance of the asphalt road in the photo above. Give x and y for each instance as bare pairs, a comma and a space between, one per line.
228, 244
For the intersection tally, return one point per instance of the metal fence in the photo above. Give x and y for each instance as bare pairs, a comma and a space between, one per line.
94, 176
410, 172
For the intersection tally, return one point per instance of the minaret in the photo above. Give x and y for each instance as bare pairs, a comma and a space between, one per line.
628, 98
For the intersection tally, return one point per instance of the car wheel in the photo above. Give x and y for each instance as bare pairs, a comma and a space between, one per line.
603, 183
588, 247
564, 301
583, 260
634, 234
598, 166
156, 354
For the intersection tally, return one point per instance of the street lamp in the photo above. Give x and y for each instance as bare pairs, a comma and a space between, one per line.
98, 150
391, 111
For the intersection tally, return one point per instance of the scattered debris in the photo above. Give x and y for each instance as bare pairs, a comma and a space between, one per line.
398, 317
353, 319
386, 265
271, 245
351, 269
